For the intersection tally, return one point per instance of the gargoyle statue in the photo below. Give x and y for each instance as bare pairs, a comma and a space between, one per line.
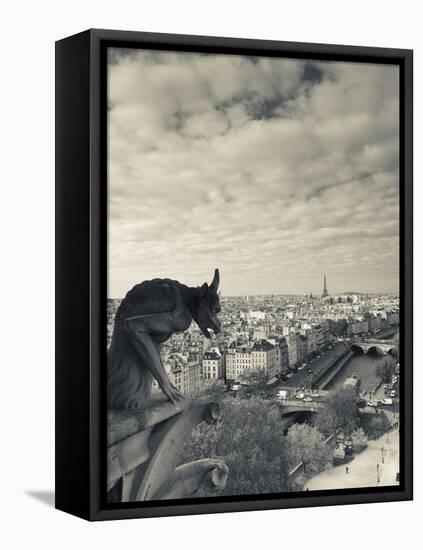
149, 315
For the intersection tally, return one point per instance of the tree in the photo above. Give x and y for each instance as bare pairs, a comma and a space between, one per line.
251, 440
306, 444
359, 439
395, 353
375, 425
214, 389
386, 369
339, 412
255, 380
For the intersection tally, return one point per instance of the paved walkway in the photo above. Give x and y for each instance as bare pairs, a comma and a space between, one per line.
363, 470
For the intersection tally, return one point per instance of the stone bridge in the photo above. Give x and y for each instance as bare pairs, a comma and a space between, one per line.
291, 407
376, 346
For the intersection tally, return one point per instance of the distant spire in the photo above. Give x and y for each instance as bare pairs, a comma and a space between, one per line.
325, 292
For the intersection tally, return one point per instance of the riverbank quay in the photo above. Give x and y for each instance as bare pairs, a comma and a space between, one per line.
376, 466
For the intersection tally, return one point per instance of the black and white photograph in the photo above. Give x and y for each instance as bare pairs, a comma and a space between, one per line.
253, 275
210, 237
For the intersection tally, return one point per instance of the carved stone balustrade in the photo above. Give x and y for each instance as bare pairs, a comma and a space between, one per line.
144, 447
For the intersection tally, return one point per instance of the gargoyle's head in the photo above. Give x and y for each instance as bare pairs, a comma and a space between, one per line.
209, 307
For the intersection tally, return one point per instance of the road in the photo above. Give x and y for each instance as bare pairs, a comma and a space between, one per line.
303, 378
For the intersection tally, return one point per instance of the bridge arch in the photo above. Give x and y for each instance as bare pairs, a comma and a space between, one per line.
355, 348
375, 351
289, 412
291, 407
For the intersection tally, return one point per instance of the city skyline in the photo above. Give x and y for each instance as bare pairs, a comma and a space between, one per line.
273, 170
317, 294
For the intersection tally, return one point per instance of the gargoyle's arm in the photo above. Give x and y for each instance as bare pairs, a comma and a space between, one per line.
138, 327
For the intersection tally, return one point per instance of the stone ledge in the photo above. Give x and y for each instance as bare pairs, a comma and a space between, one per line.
125, 423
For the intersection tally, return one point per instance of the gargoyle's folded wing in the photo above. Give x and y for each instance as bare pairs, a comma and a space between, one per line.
156, 296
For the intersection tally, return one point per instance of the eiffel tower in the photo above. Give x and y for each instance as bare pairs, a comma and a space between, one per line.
325, 292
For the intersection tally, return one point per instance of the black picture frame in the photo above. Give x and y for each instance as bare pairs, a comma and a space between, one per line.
81, 248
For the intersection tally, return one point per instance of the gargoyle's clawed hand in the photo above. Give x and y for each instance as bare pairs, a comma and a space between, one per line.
171, 392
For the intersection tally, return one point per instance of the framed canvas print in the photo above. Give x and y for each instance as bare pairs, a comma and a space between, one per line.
234, 274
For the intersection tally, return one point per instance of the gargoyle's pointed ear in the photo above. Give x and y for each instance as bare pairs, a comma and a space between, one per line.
204, 291
215, 283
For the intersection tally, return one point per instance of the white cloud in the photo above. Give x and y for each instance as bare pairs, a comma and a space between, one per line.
223, 161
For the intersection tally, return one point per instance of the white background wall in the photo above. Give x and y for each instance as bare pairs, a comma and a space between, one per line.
28, 32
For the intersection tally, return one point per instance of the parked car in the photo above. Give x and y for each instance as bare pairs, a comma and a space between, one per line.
372, 404
299, 395
388, 389
387, 401
282, 394
308, 399
393, 393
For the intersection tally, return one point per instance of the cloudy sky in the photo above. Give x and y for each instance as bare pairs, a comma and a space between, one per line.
273, 170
